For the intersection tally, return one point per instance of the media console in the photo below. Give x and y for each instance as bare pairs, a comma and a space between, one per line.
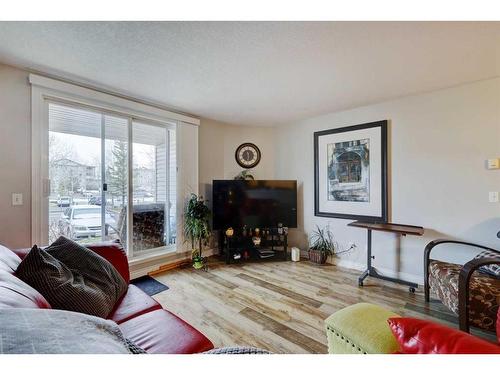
245, 245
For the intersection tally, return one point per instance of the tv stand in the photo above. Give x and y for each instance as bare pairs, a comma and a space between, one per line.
240, 247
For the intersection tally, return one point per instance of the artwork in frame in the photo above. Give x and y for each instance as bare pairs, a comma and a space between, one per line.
350, 172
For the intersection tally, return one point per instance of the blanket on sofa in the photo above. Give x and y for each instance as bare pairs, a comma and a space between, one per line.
47, 331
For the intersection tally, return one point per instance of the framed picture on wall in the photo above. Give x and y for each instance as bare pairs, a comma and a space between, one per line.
350, 172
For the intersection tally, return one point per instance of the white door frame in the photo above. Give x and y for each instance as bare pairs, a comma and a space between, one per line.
46, 89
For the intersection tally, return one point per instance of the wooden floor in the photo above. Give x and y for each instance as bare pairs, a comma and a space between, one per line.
279, 306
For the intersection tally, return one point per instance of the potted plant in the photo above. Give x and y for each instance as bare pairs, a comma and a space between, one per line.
322, 245
197, 226
245, 175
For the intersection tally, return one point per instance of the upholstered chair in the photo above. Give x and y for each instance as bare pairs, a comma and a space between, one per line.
471, 291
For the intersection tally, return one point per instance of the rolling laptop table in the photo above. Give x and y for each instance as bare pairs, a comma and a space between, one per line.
400, 229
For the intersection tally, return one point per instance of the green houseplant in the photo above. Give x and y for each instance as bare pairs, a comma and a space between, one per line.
197, 226
322, 244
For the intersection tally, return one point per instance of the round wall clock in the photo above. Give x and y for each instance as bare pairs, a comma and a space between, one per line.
247, 155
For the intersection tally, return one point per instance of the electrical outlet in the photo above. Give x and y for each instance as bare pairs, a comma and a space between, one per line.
493, 196
17, 199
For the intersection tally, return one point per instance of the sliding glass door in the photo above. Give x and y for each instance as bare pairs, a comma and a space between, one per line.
115, 174
74, 171
98, 163
150, 187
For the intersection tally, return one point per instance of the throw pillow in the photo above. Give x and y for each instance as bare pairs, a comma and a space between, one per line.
97, 271
491, 269
66, 288
417, 336
93, 267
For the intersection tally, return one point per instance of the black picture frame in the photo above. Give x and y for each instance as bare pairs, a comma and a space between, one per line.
384, 216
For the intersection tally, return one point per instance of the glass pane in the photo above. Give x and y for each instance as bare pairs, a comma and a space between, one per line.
74, 172
172, 183
150, 214
116, 178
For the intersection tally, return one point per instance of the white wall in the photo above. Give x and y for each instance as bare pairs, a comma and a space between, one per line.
15, 156
218, 143
438, 144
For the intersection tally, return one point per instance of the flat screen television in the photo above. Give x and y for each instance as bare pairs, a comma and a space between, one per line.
256, 204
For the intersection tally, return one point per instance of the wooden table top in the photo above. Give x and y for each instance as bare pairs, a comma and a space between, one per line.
390, 227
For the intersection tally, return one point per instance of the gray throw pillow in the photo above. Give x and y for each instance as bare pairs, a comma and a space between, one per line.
88, 284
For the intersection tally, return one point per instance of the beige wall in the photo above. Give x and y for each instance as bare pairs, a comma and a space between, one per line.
15, 156
438, 145
218, 142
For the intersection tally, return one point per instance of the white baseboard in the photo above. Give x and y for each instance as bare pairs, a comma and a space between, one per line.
143, 269
383, 271
346, 263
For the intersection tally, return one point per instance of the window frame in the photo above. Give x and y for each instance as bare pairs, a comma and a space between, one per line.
45, 90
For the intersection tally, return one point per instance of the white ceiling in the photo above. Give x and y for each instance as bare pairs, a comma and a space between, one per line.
258, 73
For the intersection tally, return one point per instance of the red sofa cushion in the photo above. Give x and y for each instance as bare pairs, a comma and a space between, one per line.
162, 332
416, 336
134, 302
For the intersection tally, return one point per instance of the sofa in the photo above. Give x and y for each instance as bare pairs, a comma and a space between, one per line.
365, 328
140, 318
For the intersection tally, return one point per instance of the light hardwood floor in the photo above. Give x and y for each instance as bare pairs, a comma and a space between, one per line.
279, 306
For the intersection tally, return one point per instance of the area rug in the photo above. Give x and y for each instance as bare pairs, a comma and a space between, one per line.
149, 285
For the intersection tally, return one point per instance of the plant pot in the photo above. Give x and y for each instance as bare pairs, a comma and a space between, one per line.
198, 264
318, 257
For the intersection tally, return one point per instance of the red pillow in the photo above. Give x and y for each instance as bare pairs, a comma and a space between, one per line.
416, 336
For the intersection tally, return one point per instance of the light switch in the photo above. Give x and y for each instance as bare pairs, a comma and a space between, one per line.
493, 163
17, 199
493, 196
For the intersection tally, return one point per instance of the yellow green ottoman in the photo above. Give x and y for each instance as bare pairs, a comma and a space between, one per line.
360, 329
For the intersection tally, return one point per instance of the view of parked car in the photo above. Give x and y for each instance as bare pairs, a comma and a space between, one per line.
97, 201
79, 202
84, 221
64, 201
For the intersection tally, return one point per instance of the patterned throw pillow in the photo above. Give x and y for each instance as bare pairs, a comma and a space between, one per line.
88, 283
492, 269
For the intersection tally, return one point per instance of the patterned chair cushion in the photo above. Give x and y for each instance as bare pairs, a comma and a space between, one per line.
484, 293
492, 269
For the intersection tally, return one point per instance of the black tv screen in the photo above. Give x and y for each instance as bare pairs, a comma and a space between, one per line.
256, 204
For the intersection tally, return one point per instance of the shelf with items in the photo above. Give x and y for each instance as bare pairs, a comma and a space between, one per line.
253, 244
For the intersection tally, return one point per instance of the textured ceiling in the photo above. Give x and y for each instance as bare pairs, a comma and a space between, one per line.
258, 73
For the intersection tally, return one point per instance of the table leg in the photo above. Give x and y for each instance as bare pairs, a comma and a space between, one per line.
363, 276
372, 272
